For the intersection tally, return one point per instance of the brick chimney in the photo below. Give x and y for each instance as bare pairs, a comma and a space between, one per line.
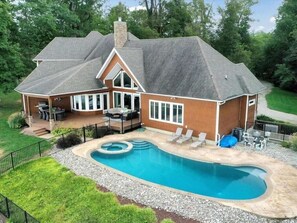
120, 33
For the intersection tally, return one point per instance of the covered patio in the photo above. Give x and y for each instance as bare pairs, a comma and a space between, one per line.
74, 120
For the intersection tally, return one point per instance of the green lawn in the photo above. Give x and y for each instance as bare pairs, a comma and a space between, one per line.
11, 139
283, 101
52, 193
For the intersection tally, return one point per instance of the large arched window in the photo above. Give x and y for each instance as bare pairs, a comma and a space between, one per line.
122, 80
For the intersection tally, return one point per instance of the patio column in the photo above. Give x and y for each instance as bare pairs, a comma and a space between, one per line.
30, 117
51, 120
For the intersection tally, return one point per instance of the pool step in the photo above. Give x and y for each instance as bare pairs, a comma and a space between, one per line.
139, 144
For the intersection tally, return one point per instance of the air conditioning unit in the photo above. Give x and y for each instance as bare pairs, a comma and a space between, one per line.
271, 128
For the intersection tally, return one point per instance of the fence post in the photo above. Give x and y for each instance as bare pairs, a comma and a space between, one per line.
39, 150
7, 207
12, 164
26, 218
84, 134
131, 120
122, 122
96, 131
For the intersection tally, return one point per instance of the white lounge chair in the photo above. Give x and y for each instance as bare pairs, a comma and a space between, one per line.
200, 141
175, 136
185, 138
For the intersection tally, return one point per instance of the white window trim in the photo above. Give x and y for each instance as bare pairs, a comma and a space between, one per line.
122, 81
170, 112
252, 102
133, 95
73, 105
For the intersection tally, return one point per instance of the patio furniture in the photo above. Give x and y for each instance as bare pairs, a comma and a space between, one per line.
200, 141
130, 115
185, 138
175, 136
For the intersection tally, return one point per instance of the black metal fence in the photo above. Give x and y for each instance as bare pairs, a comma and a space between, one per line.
86, 133
281, 128
13, 159
277, 131
13, 212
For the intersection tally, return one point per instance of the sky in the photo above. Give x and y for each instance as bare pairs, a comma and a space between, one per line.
264, 13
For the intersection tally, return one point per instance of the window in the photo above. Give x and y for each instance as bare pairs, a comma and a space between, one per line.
88, 102
98, 105
118, 81
91, 104
126, 100
83, 102
166, 112
252, 102
117, 99
122, 80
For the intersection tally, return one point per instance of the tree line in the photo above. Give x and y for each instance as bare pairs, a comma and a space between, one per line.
27, 26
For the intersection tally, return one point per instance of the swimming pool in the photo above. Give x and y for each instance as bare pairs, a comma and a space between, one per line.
146, 161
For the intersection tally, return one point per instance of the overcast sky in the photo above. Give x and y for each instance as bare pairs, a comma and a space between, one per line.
264, 12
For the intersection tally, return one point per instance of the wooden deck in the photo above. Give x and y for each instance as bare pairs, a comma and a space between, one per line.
73, 120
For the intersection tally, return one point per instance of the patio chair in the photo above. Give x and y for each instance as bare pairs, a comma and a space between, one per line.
175, 136
200, 141
185, 138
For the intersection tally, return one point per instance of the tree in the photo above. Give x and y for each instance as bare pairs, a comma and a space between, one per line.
39, 22
11, 65
138, 25
202, 21
259, 43
233, 38
177, 18
155, 14
281, 51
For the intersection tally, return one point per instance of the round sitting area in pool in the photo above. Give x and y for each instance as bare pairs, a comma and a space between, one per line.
118, 147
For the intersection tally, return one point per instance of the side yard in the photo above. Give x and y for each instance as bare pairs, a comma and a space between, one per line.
11, 139
52, 193
283, 101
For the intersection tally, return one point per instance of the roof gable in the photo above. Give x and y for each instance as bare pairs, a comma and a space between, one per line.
113, 63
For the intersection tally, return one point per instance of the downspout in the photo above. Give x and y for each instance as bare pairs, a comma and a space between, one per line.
218, 120
246, 111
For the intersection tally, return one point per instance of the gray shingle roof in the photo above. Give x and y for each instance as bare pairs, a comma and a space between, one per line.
65, 81
185, 66
190, 67
64, 48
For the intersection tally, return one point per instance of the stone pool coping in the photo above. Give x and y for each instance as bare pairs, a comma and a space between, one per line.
278, 202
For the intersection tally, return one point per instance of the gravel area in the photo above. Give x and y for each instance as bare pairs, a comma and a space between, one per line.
185, 205
274, 150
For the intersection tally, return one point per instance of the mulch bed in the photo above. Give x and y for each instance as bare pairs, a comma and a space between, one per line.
160, 213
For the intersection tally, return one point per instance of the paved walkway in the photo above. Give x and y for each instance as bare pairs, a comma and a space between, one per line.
279, 201
264, 110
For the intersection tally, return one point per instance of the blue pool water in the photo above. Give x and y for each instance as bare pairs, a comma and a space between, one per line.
146, 161
114, 146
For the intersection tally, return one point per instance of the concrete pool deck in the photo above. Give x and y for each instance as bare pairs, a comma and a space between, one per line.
278, 202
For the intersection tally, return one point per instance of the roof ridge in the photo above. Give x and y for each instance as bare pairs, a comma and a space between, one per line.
208, 68
80, 66
55, 75
58, 73
96, 45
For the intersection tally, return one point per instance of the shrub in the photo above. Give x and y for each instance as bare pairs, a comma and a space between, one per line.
294, 141
71, 139
60, 131
265, 118
16, 120
90, 131
286, 144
